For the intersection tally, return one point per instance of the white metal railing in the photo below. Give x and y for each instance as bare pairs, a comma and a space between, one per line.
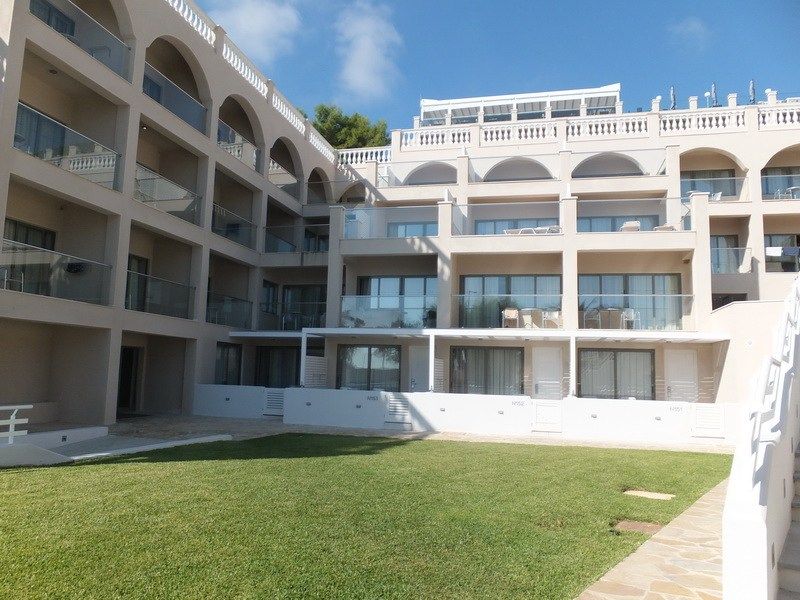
757, 512
13, 421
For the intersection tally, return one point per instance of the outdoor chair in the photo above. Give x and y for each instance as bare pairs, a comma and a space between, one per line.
510, 317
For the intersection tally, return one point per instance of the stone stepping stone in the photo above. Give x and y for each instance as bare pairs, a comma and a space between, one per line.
649, 495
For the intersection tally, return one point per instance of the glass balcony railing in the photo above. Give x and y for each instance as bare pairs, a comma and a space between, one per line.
165, 195
782, 259
33, 270
173, 98
730, 260
653, 312
291, 317
283, 179
391, 222
86, 33
227, 310
520, 218
389, 311
230, 225
40, 136
290, 238
527, 311
719, 188
780, 187
237, 145
149, 294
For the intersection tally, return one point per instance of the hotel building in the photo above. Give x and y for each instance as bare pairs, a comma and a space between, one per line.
179, 239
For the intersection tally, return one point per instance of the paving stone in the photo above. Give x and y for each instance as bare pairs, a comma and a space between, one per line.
649, 495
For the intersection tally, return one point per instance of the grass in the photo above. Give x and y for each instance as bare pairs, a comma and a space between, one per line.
311, 516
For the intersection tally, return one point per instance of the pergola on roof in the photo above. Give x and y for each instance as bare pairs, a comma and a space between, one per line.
606, 96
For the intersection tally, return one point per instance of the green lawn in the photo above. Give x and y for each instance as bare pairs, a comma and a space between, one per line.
310, 516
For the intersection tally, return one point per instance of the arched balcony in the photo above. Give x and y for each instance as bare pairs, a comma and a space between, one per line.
237, 134
285, 169
780, 177
713, 171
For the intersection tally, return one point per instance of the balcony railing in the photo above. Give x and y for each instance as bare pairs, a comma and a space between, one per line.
521, 218
230, 225
286, 239
719, 188
780, 187
656, 312
389, 311
293, 316
53, 142
782, 259
165, 195
394, 222
33, 270
283, 179
173, 98
149, 294
731, 260
238, 146
86, 33
227, 310
527, 311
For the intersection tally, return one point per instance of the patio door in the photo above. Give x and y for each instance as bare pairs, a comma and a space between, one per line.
418, 369
681, 375
128, 390
547, 372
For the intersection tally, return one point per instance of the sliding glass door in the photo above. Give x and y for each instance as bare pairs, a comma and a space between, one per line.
616, 374
482, 370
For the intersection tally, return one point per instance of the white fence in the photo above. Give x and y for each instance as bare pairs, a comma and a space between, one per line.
13, 421
757, 511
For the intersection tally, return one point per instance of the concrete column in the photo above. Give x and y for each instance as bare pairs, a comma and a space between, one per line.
462, 170
568, 217
444, 269
199, 279
565, 171
118, 238
303, 350
573, 367
335, 267
259, 218
673, 208
128, 124
206, 172
431, 362
701, 259
254, 284
112, 376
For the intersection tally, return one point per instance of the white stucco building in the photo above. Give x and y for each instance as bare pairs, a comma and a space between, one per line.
179, 239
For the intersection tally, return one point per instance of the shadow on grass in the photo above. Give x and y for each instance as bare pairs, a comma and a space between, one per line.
286, 445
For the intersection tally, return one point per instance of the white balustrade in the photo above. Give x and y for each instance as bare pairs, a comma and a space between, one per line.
426, 138
288, 111
518, 133
359, 156
701, 121
757, 511
195, 17
322, 145
616, 126
781, 116
237, 59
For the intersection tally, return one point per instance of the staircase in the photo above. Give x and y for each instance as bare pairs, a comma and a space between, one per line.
789, 564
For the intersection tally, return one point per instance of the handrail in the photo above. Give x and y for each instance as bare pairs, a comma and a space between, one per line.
229, 213
13, 421
53, 252
68, 128
155, 175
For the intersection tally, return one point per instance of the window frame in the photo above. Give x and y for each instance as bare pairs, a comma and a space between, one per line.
616, 352
228, 346
486, 351
370, 348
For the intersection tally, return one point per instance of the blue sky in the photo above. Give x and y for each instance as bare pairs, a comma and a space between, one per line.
380, 57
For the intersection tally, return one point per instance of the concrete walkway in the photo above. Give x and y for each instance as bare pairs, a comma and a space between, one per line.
683, 560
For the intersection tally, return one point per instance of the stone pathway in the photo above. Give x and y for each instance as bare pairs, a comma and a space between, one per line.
682, 561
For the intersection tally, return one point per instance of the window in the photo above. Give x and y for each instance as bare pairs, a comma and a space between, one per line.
136, 297
598, 224
725, 256
654, 299
497, 227
53, 17
304, 306
392, 287
229, 364
277, 367
17, 231
482, 370
269, 297
485, 296
315, 240
778, 182
368, 368
616, 374
420, 229
782, 253
712, 181
38, 135
31, 276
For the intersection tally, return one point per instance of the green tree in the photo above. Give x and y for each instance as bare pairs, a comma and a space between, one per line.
349, 131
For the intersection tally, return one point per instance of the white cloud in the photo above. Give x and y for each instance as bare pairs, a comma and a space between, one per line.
264, 29
367, 43
691, 33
